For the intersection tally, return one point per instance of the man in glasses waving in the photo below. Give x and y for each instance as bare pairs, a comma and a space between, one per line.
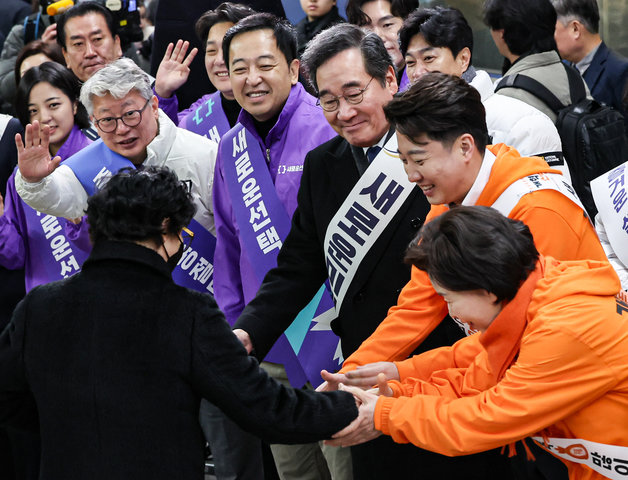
133, 132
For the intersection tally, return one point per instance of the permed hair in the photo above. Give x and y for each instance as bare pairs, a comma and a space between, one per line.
341, 37
440, 27
80, 10
117, 78
475, 248
225, 12
441, 106
59, 77
399, 8
585, 11
139, 205
284, 33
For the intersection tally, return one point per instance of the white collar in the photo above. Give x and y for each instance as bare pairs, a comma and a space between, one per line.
481, 180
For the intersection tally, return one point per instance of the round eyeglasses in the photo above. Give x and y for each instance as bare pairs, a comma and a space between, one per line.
352, 95
132, 118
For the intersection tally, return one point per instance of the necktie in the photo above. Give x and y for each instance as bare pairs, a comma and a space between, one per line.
372, 152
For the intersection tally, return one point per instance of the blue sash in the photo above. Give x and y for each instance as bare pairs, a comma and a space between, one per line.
308, 345
208, 120
95, 164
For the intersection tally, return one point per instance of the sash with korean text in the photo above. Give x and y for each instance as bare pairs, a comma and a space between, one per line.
209, 119
533, 183
94, 166
610, 461
308, 345
364, 215
56, 256
609, 193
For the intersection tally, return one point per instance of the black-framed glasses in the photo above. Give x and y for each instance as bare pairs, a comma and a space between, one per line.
132, 118
187, 236
353, 96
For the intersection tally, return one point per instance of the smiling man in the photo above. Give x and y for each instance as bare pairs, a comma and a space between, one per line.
134, 132
258, 172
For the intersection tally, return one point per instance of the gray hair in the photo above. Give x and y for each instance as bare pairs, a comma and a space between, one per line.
584, 11
345, 36
117, 78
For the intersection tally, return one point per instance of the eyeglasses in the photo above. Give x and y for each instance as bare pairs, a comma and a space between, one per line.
187, 236
353, 96
132, 118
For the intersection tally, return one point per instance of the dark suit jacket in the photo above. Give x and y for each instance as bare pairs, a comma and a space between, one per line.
118, 357
329, 174
607, 78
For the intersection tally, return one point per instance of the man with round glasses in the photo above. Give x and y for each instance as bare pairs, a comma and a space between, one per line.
133, 132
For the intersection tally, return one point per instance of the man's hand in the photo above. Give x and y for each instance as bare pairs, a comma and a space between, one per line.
50, 34
362, 429
174, 69
366, 376
1, 205
244, 338
332, 381
33, 156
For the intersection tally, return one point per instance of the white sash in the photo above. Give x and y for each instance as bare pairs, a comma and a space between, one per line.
533, 183
4, 121
363, 216
610, 461
609, 194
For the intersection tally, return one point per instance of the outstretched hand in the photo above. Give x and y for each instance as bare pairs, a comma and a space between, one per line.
362, 429
33, 154
174, 69
332, 381
366, 376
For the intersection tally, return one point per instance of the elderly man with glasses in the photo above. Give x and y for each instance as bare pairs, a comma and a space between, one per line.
134, 133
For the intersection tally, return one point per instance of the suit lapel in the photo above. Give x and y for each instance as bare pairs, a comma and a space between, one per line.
594, 72
342, 171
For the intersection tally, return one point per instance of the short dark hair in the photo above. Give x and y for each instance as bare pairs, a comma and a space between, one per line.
399, 8
284, 33
341, 37
59, 77
133, 205
475, 248
80, 10
528, 24
225, 12
585, 11
441, 106
52, 51
440, 27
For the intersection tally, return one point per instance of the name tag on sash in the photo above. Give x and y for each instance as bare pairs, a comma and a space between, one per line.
363, 216
609, 193
264, 224
533, 183
208, 120
610, 461
95, 164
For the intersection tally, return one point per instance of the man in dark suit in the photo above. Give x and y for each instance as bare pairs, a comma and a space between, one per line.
354, 77
578, 40
114, 372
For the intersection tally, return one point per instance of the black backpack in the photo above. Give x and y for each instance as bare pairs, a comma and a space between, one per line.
592, 133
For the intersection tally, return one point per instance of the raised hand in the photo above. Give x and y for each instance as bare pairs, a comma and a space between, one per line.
332, 381
367, 375
50, 34
33, 155
174, 69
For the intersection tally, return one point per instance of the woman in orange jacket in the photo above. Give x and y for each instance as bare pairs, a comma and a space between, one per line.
550, 359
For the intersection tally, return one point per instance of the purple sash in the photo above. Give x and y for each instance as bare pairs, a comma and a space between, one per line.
195, 270
264, 223
404, 82
208, 120
53, 256
95, 164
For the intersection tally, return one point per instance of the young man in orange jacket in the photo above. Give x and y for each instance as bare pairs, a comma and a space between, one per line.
551, 360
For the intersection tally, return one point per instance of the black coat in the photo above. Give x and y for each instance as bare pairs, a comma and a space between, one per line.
118, 357
329, 174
